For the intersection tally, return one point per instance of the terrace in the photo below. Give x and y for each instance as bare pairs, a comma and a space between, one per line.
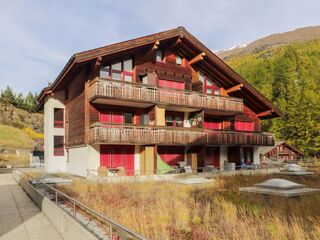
128, 134
127, 94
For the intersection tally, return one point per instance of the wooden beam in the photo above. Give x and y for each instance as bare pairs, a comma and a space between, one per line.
177, 42
197, 58
155, 45
234, 88
265, 113
95, 68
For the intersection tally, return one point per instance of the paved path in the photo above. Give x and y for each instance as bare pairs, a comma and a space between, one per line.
20, 218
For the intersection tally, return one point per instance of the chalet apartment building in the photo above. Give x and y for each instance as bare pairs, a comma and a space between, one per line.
163, 97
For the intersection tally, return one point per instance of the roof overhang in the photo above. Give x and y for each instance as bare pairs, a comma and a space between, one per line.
192, 47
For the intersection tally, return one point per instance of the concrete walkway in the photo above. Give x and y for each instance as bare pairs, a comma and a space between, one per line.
20, 218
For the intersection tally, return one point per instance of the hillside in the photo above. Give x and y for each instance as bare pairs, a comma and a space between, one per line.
299, 35
289, 76
20, 118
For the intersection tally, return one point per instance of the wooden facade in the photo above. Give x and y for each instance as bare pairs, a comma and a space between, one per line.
162, 89
282, 152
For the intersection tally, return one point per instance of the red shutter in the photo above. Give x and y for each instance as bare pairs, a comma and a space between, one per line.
113, 156
212, 156
171, 154
105, 117
244, 126
171, 84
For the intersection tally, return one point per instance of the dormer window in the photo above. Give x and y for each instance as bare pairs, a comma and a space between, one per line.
159, 55
178, 60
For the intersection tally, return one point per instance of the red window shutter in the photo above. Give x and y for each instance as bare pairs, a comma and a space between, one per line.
117, 117
105, 117
244, 126
171, 84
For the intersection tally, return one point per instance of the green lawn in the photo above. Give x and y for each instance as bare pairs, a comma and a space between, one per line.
12, 137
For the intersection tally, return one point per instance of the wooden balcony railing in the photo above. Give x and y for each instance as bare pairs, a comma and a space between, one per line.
123, 134
143, 93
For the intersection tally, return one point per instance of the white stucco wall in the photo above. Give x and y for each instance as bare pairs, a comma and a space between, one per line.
223, 155
137, 159
53, 163
80, 159
256, 157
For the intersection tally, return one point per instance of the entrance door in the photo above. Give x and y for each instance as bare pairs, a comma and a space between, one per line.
113, 156
212, 156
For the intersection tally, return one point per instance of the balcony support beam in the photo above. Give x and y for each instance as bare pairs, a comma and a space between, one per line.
177, 42
155, 45
265, 113
95, 68
197, 58
234, 88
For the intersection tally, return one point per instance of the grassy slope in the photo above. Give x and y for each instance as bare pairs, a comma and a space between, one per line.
12, 137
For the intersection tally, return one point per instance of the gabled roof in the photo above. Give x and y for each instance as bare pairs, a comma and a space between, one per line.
251, 96
265, 150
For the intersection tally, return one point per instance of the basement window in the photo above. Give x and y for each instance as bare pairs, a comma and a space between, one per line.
58, 118
58, 146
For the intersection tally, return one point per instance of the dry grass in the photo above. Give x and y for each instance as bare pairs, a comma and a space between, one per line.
11, 137
159, 210
14, 160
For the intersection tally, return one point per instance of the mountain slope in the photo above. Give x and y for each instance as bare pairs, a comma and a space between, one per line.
275, 40
289, 76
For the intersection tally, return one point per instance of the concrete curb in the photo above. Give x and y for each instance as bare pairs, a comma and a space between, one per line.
68, 227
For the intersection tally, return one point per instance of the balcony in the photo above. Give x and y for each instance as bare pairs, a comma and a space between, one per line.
120, 93
128, 134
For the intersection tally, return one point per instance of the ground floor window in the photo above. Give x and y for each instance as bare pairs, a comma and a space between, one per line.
58, 143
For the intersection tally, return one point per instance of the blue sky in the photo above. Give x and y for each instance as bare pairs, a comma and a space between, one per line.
38, 37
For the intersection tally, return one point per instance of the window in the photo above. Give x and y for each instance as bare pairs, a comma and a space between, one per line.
209, 86
159, 55
127, 70
144, 79
169, 120
201, 77
105, 71
178, 60
128, 118
174, 119
58, 146
144, 119
58, 118
116, 71
121, 71
179, 122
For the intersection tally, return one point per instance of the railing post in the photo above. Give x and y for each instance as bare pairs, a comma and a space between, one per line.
74, 210
56, 198
110, 231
